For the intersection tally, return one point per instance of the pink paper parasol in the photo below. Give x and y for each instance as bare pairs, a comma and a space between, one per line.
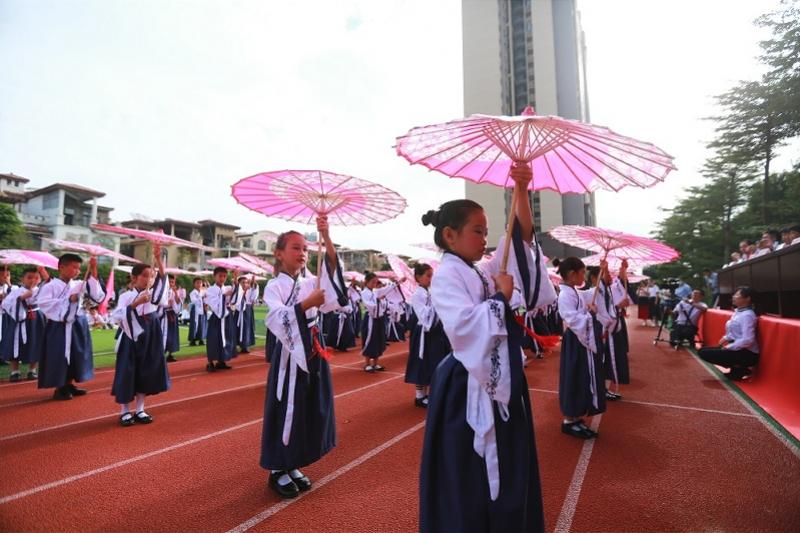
303, 195
182, 272
431, 247
403, 271
623, 245
615, 262
350, 275
386, 274
434, 263
92, 249
28, 257
269, 269
152, 236
237, 263
564, 155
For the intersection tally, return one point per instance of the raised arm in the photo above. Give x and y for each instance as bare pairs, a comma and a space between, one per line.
330, 251
521, 174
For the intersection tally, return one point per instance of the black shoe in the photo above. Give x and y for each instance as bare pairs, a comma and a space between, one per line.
62, 393
32, 375
200, 343
75, 390
171, 358
737, 373
379, 368
574, 429
192, 343
210, 367
220, 365
421, 402
142, 418
302, 482
16, 376
126, 420
613, 396
589, 431
244, 350
287, 491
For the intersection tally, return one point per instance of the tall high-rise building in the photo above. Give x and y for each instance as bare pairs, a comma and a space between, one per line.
519, 53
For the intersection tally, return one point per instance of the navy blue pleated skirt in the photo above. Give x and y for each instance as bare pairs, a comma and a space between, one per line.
140, 366
621, 346
373, 337
32, 350
215, 349
436, 348
574, 391
54, 371
197, 332
246, 334
454, 490
173, 333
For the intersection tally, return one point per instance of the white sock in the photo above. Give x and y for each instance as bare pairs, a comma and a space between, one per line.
139, 402
124, 409
295, 473
419, 394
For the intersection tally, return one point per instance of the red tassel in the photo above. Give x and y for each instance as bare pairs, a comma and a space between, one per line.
318, 349
544, 341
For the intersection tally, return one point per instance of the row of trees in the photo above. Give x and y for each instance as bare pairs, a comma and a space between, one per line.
740, 195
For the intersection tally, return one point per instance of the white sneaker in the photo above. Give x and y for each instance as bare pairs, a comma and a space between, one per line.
369, 368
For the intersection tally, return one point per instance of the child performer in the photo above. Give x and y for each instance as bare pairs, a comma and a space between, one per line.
613, 304
245, 298
354, 294
141, 369
67, 356
373, 328
5, 290
23, 341
428, 344
581, 388
299, 426
197, 314
396, 315
479, 466
221, 330
172, 309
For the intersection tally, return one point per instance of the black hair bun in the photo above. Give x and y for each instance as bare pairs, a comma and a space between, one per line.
431, 218
556, 261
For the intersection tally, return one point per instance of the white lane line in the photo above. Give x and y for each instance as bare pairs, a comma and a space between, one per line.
270, 511
160, 451
574, 492
671, 406
106, 388
149, 407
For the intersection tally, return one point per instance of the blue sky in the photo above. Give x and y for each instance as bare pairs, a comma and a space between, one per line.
164, 104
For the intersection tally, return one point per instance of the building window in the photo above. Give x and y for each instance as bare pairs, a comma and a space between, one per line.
262, 245
50, 200
245, 243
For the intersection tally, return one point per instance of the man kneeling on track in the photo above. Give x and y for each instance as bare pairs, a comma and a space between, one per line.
686, 316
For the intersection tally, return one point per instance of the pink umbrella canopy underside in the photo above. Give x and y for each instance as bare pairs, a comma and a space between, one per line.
623, 245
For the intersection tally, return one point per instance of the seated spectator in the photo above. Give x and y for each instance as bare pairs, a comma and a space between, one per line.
684, 290
686, 315
712, 284
794, 234
774, 235
765, 246
738, 348
96, 320
786, 240
744, 250
735, 258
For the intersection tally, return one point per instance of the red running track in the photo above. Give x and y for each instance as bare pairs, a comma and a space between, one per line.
679, 453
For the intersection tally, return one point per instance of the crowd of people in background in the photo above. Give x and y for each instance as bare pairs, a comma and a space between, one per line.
770, 241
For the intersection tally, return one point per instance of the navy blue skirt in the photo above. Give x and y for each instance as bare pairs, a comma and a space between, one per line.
395, 331
373, 343
54, 371
621, 346
173, 333
140, 366
246, 335
357, 319
32, 350
313, 424
215, 350
454, 490
574, 389
335, 340
197, 333
437, 347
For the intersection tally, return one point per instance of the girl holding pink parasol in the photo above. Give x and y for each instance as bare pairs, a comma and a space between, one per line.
479, 466
299, 426
141, 369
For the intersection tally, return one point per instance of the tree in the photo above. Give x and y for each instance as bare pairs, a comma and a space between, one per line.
781, 54
12, 232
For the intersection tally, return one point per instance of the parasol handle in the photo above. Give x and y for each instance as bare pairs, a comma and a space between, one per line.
319, 259
512, 211
599, 279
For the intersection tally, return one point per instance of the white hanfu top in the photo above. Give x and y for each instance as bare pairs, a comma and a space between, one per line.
475, 325
574, 310
19, 314
281, 294
131, 327
54, 303
422, 304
